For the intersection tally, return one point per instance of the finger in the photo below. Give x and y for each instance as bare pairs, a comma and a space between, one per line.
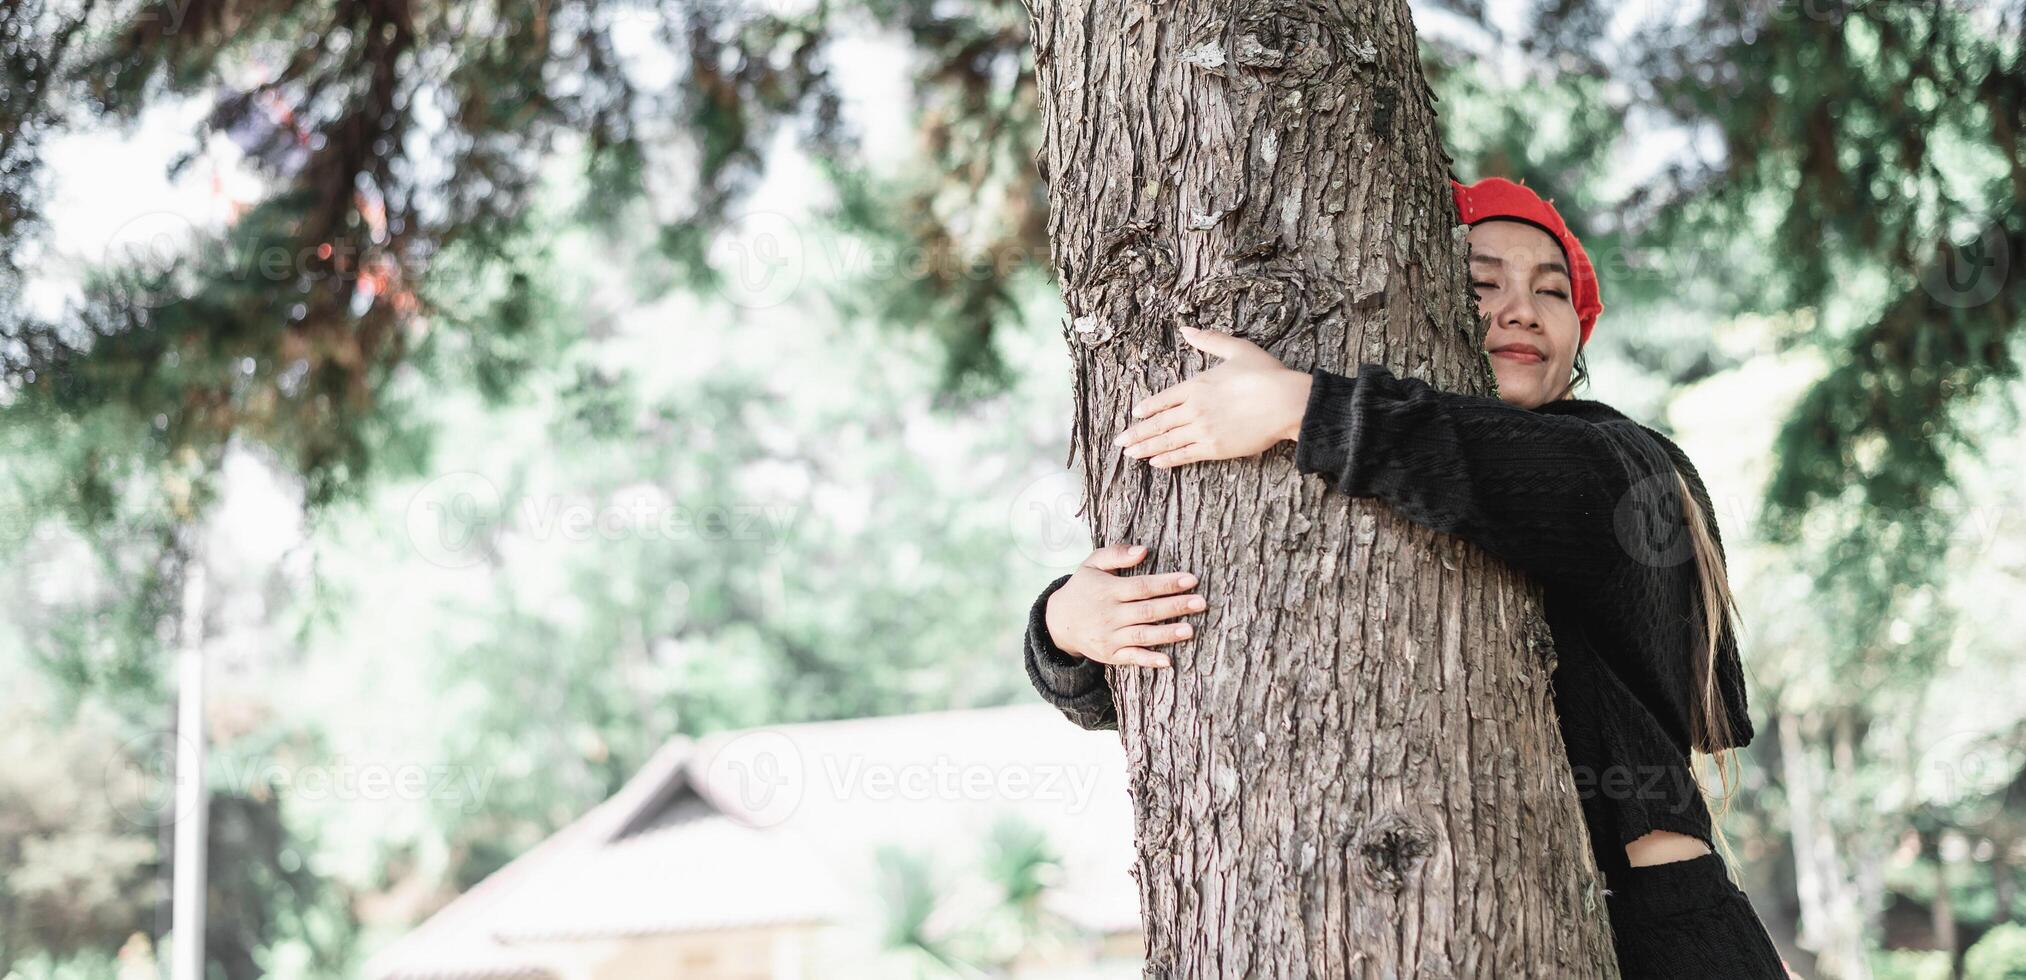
1167, 421
1138, 657
1218, 344
1136, 587
1133, 588
1153, 636
1116, 556
1194, 452
1166, 607
1160, 401
1168, 441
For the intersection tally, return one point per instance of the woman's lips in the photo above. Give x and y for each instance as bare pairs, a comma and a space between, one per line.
1522, 356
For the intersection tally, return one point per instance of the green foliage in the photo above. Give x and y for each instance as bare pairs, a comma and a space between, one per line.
952, 931
1999, 955
952, 290
400, 308
1018, 857
80, 871
265, 896
1907, 964
908, 890
93, 965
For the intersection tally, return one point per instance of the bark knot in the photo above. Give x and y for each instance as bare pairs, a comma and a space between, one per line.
1391, 848
1133, 273
1262, 305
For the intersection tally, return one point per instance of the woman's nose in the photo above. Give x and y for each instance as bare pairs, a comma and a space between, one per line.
1517, 311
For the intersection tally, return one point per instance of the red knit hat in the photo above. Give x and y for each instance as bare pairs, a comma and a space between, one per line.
1497, 197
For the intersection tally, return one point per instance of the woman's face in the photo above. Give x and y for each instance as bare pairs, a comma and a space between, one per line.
1523, 287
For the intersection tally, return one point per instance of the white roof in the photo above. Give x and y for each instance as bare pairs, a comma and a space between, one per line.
782, 824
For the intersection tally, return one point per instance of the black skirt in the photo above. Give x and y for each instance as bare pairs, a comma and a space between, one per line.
1685, 920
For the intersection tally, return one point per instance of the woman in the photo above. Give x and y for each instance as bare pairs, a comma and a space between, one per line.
1566, 490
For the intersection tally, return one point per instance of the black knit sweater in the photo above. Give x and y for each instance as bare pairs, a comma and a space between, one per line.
1576, 496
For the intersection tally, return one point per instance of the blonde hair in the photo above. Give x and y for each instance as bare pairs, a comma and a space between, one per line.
1710, 732
1709, 721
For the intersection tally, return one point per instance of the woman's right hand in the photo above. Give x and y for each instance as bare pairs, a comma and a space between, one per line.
1113, 619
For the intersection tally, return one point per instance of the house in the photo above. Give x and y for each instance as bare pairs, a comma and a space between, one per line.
754, 855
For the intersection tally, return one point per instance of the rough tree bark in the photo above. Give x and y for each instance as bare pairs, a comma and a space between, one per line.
1355, 770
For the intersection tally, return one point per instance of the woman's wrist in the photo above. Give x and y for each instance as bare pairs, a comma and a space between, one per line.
1048, 627
1300, 383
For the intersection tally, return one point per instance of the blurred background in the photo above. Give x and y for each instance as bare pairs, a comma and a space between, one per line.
602, 455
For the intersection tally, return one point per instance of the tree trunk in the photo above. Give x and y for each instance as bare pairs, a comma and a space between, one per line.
1837, 874
1947, 935
1355, 770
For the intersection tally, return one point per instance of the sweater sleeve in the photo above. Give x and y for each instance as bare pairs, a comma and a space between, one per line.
1076, 686
1552, 495
1585, 502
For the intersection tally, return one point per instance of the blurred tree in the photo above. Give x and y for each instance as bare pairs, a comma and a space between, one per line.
78, 872
1874, 148
1860, 138
941, 929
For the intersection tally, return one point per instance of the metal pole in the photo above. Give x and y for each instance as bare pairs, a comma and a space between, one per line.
193, 815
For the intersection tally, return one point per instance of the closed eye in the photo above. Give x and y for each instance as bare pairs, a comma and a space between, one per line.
1556, 292
1488, 284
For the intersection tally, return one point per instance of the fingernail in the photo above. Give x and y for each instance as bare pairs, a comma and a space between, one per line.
1160, 661
1139, 549
1196, 604
1187, 581
1184, 630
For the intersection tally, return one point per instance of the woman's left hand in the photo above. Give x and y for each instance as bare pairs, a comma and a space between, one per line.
1239, 408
